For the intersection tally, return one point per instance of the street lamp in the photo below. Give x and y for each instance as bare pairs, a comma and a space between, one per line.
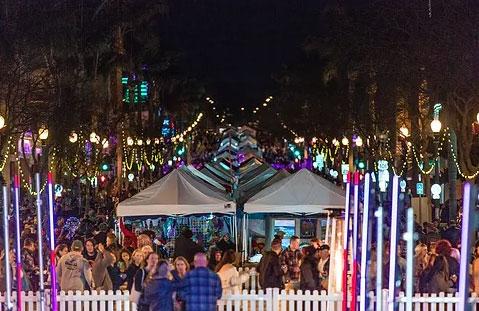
436, 129
345, 141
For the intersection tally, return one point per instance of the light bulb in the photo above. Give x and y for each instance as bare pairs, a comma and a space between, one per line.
129, 141
359, 141
436, 126
73, 137
43, 133
345, 141
2, 122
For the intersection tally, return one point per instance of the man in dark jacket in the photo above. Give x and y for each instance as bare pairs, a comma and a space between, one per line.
309, 269
270, 271
185, 246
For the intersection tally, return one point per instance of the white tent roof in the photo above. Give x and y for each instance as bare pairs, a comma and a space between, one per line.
301, 193
176, 194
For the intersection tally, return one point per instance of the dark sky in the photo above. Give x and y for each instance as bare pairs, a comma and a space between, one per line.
235, 45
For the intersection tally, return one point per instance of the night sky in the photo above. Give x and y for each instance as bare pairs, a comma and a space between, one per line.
236, 45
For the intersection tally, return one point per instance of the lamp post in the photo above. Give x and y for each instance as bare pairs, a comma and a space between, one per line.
436, 129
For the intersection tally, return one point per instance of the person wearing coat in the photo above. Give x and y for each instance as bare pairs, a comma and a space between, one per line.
158, 291
231, 279
186, 247
309, 270
270, 270
101, 277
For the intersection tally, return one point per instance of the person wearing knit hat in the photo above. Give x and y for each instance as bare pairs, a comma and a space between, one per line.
73, 271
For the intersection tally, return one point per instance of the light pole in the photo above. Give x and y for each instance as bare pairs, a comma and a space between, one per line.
436, 129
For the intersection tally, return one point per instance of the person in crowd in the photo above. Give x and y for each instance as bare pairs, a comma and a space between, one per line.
136, 264
452, 234
124, 261
315, 242
215, 258
112, 244
201, 288
144, 240
444, 249
89, 252
60, 250
180, 268
73, 271
435, 278
116, 276
231, 279
142, 275
130, 240
158, 292
323, 266
269, 268
475, 268
421, 261
225, 243
401, 262
309, 279
29, 264
185, 246
103, 260
291, 262
147, 249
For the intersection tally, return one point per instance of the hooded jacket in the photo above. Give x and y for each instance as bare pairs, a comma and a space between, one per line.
73, 272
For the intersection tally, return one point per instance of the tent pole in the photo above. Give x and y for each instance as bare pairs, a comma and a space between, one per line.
328, 225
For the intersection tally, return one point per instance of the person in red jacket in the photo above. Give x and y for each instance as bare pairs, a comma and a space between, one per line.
130, 239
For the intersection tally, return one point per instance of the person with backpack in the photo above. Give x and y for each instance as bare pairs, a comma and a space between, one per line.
270, 270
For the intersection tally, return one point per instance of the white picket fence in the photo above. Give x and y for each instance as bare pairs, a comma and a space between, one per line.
269, 300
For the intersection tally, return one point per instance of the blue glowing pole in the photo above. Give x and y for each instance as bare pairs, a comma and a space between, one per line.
393, 245
379, 254
354, 281
468, 215
410, 259
363, 301
53, 272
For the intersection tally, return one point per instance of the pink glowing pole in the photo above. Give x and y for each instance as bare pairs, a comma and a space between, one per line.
354, 281
345, 245
53, 274
18, 247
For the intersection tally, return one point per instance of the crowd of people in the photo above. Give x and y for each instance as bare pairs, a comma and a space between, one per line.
294, 268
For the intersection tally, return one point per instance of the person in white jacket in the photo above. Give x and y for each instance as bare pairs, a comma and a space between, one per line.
231, 279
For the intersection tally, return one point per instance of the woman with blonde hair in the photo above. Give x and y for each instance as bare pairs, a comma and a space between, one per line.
180, 268
136, 264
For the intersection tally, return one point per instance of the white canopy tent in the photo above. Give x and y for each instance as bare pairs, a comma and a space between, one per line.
301, 193
177, 193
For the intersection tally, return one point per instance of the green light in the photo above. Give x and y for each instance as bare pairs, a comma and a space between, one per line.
105, 167
124, 80
361, 165
297, 153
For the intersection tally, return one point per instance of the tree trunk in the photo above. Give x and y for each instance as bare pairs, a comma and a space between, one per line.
117, 103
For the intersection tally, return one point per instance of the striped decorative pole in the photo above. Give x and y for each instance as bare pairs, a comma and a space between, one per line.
53, 273
18, 246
